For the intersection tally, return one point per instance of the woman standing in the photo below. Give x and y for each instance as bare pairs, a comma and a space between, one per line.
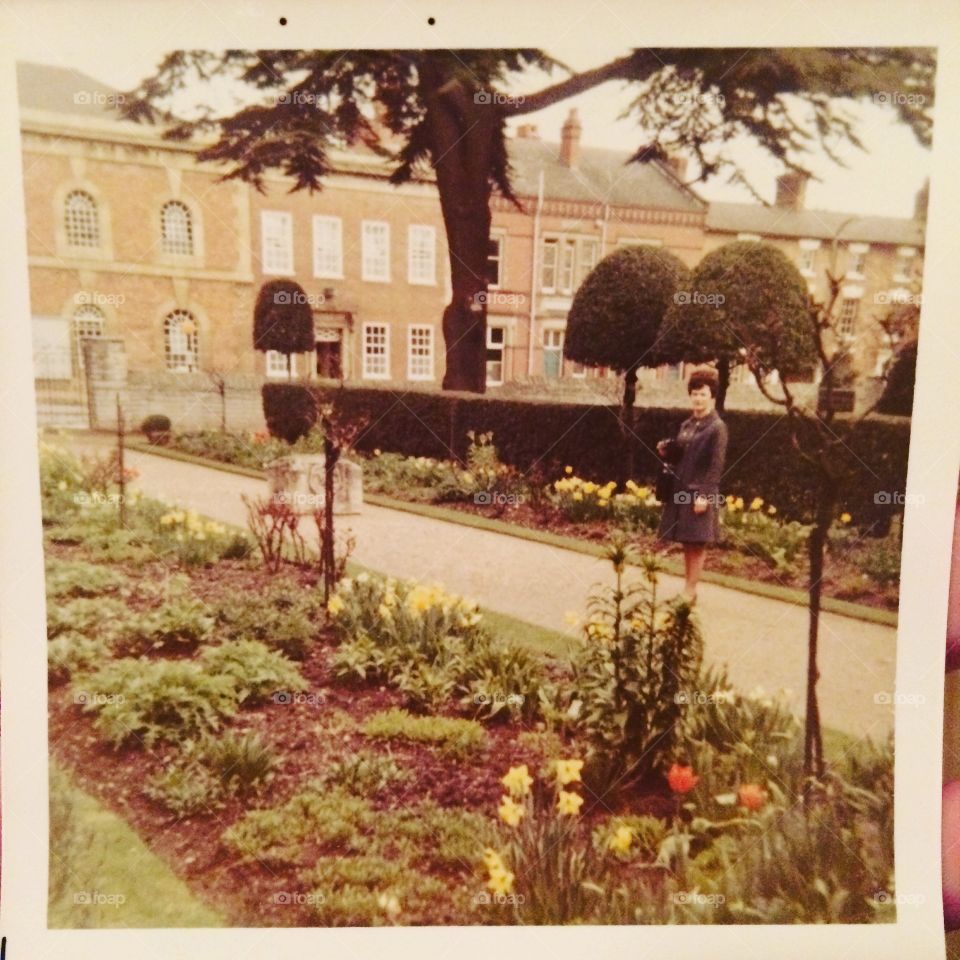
691, 513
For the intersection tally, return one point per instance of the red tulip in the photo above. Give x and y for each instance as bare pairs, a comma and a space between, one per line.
681, 779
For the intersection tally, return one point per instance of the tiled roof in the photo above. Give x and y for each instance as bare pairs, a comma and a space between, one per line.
64, 90
815, 224
600, 175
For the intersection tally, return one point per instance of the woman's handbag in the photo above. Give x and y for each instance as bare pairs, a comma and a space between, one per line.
665, 484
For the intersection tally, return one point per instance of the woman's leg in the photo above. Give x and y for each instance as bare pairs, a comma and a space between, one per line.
693, 557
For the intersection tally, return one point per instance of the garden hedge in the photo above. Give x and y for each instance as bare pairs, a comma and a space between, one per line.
541, 438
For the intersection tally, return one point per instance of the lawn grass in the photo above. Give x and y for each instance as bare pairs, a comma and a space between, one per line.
94, 854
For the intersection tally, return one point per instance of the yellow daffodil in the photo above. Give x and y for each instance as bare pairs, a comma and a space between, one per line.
568, 771
603, 502
756, 503
620, 840
738, 503
578, 496
389, 903
511, 813
335, 605
492, 859
568, 470
845, 518
62, 485
500, 882
771, 509
517, 780
569, 803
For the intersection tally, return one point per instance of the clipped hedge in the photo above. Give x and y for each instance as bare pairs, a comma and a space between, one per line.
541, 438
289, 409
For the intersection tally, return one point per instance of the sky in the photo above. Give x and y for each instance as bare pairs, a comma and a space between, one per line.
881, 180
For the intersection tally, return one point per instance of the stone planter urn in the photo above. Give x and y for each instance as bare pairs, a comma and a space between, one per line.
299, 481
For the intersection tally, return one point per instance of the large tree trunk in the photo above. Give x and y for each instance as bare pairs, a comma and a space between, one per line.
627, 433
462, 134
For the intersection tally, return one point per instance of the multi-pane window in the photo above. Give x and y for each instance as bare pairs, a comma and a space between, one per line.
327, 247
87, 322
276, 364
856, 259
496, 343
495, 261
847, 322
180, 342
422, 254
276, 248
552, 353
565, 262
376, 351
81, 220
375, 250
176, 228
420, 352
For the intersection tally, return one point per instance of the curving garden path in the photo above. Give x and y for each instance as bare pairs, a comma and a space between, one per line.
762, 640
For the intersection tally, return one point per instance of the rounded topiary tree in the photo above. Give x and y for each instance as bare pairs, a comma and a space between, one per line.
615, 317
897, 397
283, 320
747, 304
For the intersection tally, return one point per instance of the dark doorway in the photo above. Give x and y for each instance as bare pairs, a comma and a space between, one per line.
329, 362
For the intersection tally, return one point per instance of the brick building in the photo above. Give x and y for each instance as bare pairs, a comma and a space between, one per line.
131, 242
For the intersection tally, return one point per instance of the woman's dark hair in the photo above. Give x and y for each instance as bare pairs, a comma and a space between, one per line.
704, 378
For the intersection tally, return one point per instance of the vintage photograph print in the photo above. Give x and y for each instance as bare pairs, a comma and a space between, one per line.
473, 480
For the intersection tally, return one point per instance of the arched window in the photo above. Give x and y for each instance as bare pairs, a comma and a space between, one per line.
180, 342
81, 220
87, 322
176, 228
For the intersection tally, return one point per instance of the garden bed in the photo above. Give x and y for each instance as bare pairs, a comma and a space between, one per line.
384, 757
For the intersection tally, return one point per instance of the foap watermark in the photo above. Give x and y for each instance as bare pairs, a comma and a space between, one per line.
86, 499
703, 96
911, 699
98, 98
898, 97
287, 297
298, 499
702, 698
696, 296
289, 697
689, 496
91, 298
499, 899
494, 498
499, 298
511, 699
898, 297
86, 698
897, 497
97, 898
294, 898
899, 899
695, 898
495, 96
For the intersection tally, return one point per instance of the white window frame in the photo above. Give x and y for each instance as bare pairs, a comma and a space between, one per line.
567, 260
83, 221
848, 334
857, 252
414, 330
328, 262
752, 237
275, 364
905, 257
560, 334
502, 347
282, 234
368, 373
190, 340
177, 235
422, 254
367, 237
499, 237
88, 321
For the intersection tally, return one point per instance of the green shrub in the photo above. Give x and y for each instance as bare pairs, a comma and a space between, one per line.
365, 773
103, 617
186, 789
880, 561
284, 616
289, 409
637, 655
69, 654
330, 819
257, 671
587, 437
452, 735
182, 622
156, 700
75, 578
778, 543
156, 427
242, 761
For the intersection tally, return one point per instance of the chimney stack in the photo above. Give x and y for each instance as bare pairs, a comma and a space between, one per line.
570, 140
791, 190
527, 131
922, 200
679, 167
